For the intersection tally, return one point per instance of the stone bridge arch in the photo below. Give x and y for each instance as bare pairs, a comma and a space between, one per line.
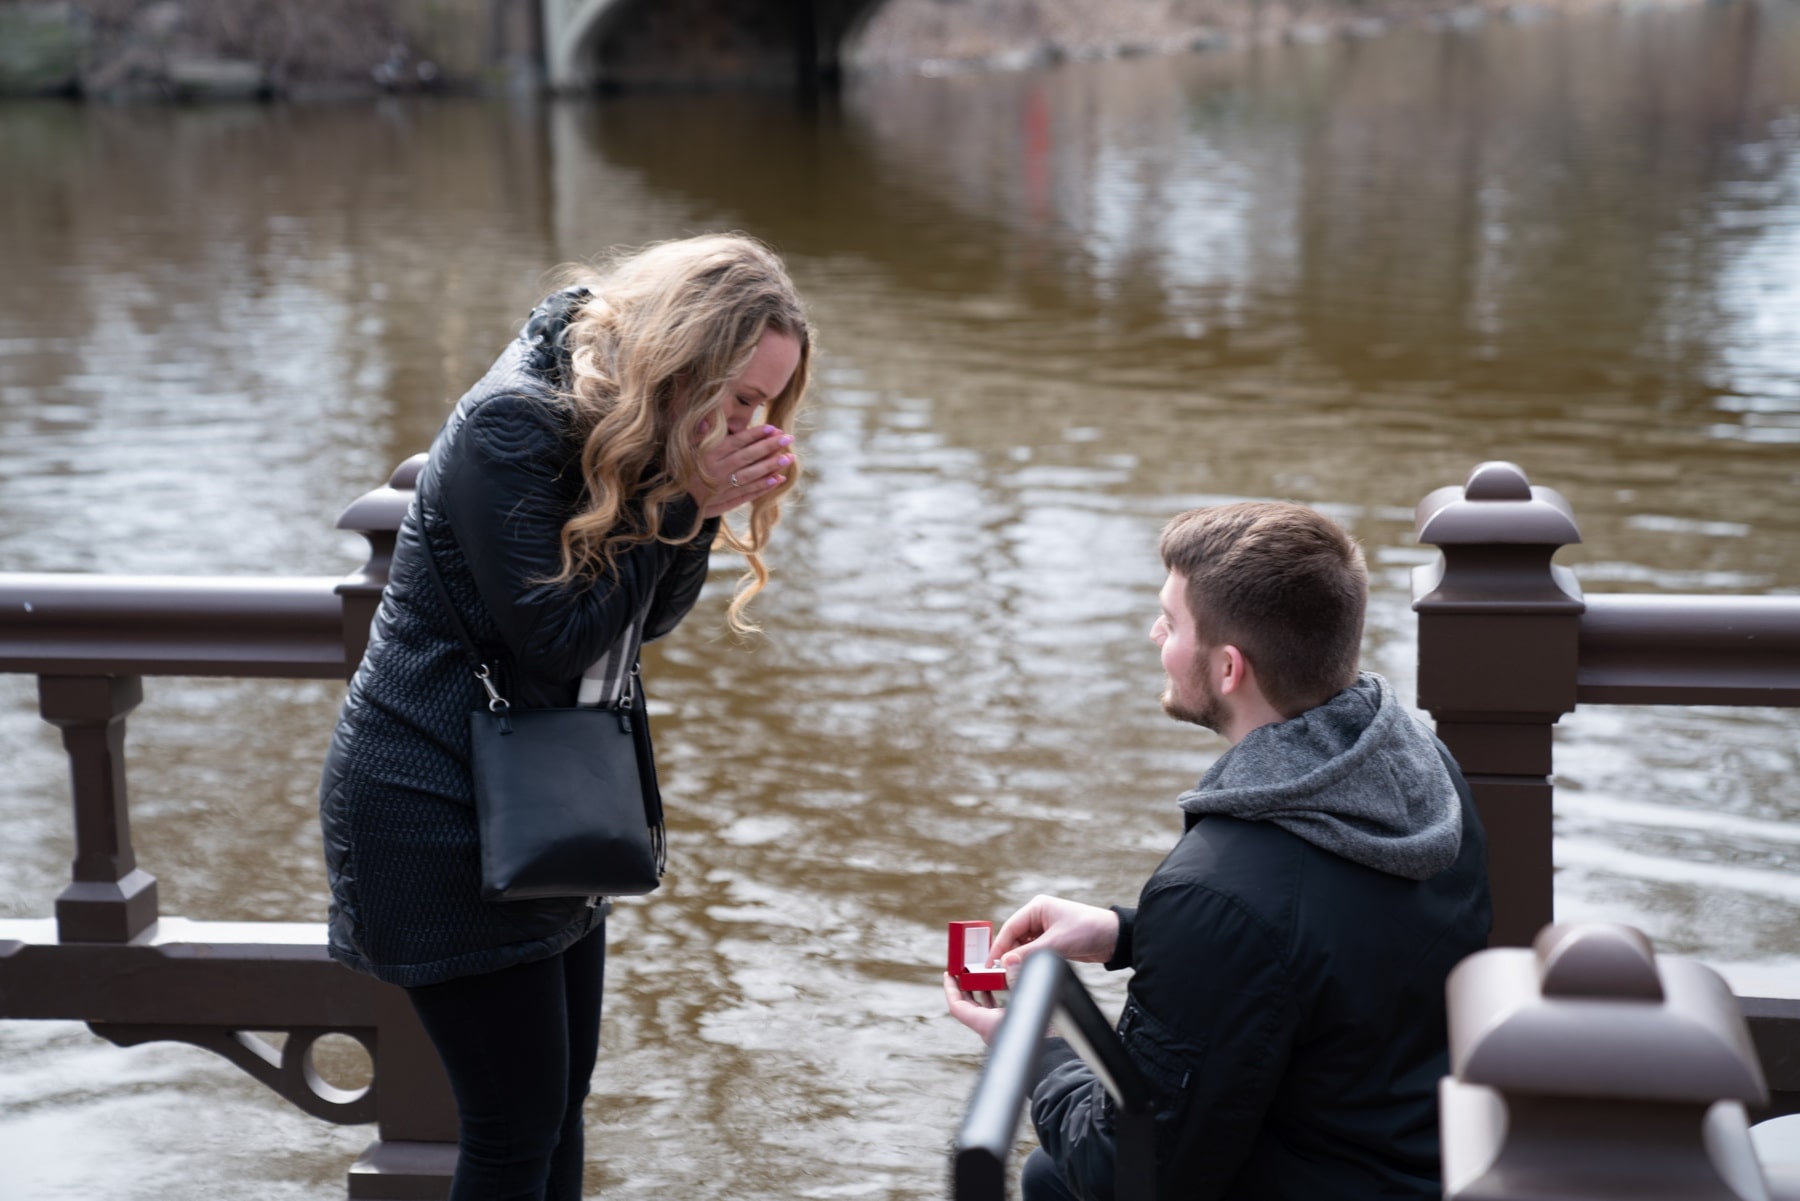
620, 44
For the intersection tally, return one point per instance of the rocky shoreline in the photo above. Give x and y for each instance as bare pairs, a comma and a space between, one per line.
181, 50
940, 36
178, 50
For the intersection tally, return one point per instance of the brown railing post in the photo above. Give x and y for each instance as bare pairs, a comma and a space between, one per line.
1498, 645
415, 1154
1588, 1069
110, 898
376, 515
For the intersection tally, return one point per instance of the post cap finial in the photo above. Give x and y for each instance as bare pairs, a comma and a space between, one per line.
1497, 479
407, 474
1597, 959
1498, 506
381, 510
1591, 1012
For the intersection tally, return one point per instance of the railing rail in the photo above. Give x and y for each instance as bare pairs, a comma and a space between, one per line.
171, 626
1689, 650
1048, 990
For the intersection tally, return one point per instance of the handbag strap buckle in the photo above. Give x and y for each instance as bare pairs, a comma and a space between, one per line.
496, 702
627, 694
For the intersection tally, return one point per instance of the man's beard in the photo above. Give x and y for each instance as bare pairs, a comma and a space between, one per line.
1209, 713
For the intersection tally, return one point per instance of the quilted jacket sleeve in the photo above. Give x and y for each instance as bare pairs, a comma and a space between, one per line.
507, 482
681, 584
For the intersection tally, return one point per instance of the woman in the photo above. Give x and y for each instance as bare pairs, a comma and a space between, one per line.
570, 503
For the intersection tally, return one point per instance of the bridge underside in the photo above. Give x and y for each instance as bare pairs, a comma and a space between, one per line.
619, 45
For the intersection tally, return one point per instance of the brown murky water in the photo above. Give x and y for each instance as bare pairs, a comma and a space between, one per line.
1058, 306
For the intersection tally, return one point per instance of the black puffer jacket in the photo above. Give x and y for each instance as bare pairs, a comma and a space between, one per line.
396, 800
1287, 1008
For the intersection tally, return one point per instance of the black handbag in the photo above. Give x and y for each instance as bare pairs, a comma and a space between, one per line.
566, 802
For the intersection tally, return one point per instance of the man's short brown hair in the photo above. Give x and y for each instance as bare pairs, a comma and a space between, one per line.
1284, 584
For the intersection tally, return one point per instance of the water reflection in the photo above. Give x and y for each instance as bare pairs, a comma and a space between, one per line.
1057, 306
1412, 244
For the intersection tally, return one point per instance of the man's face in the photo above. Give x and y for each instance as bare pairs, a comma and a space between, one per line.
1189, 695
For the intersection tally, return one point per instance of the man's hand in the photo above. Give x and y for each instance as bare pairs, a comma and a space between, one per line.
967, 1008
1083, 933
1079, 932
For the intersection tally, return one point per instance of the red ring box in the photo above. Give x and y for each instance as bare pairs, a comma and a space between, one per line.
969, 943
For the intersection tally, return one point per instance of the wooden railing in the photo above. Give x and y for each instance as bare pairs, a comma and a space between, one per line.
109, 957
1507, 645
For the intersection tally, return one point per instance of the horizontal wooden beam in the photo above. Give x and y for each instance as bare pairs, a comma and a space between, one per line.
73, 624
1689, 650
249, 975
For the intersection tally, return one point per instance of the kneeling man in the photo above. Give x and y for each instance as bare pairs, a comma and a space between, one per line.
1289, 955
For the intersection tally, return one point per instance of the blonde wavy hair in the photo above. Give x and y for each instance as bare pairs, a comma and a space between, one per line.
665, 329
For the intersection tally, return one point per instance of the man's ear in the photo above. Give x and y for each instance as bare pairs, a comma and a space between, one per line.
1232, 668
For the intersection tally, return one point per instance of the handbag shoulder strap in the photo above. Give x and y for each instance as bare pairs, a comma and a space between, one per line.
496, 702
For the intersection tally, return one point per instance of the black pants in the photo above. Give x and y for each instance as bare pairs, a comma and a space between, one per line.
1040, 1181
519, 1046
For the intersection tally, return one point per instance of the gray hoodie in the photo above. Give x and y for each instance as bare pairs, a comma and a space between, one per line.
1357, 776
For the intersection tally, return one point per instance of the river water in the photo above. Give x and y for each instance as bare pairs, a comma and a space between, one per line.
1056, 307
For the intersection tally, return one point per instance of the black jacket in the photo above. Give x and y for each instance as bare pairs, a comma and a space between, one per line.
396, 800
1287, 1008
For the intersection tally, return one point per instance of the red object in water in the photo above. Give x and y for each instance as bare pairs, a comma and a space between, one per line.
969, 943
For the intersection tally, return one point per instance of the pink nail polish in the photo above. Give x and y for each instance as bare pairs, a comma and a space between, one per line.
784, 460
785, 440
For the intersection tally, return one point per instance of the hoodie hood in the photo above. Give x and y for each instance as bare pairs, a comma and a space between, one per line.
1357, 776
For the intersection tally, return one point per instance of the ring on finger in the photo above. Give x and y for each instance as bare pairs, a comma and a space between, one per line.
734, 482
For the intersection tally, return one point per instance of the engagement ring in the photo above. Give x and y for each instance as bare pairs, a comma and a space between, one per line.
734, 482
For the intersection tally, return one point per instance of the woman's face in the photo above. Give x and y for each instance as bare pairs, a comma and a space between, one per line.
763, 378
